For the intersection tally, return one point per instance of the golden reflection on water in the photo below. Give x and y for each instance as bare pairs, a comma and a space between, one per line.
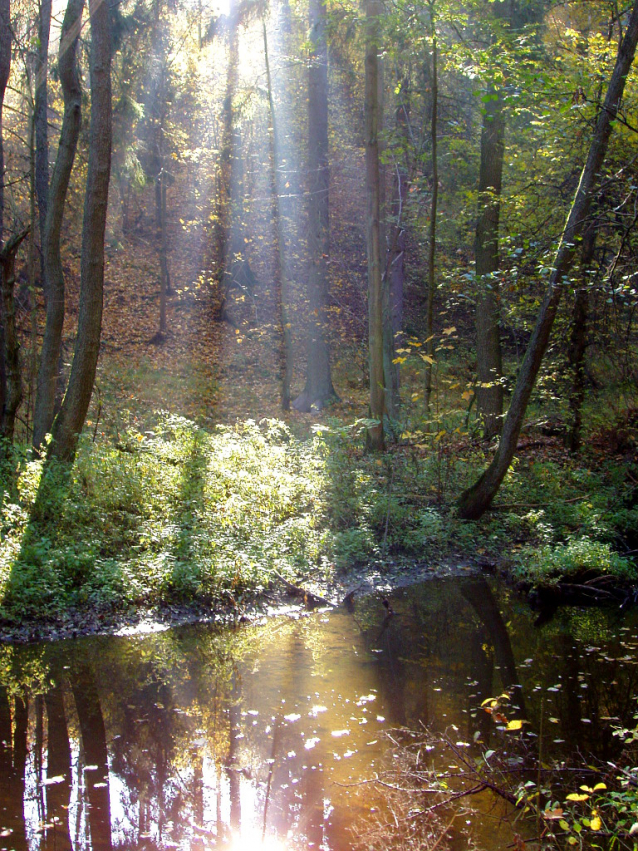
270, 737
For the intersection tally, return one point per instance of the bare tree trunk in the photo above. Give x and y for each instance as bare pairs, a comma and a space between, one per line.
578, 343
376, 438
11, 351
280, 248
318, 389
69, 134
395, 265
489, 392
41, 120
69, 422
429, 321
5, 68
477, 499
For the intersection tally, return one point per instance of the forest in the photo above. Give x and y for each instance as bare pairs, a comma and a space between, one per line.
318, 424
295, 290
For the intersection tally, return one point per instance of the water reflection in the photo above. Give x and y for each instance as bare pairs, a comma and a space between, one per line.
261, 737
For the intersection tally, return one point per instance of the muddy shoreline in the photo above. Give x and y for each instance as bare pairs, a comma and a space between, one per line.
276, 600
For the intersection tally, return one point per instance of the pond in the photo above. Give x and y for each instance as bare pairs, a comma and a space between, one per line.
269, 735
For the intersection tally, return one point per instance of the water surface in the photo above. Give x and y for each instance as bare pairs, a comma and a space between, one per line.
267, 736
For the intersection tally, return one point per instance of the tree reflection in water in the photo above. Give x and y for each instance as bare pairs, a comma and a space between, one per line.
198, 738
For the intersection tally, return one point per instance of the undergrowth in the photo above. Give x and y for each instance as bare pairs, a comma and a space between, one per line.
175, 513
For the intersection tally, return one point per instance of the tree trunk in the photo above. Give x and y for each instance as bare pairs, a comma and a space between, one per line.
395, 265
390, 368
69, 134
5, 68
429, 322
578, 343
477, 499
375, 279
41, 121
11, 352
281, 272
318, 389
70, 420
489, 392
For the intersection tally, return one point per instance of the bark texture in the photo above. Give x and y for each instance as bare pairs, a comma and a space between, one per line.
70, 419
477, 499
318, 389
40, 119
373, 189
11, 348
54, 275
5, 68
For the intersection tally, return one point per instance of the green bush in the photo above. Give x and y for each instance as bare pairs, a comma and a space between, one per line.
550, 564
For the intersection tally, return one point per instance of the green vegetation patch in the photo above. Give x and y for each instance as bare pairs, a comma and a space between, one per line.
176, 514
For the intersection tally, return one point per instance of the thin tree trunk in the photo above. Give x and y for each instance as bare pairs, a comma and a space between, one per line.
69, 134
395, 266
70, 420
429, 321
41, 120
489, 392
280, 248
578, 344
5, 68
376, 438
318, 390
390, 368
477, 499
160, 199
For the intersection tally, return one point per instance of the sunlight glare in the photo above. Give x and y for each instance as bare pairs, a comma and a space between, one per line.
252, 841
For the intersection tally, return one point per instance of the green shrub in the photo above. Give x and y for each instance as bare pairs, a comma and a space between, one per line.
549, 564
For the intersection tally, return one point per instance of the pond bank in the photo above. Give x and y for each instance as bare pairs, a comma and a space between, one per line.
251, 608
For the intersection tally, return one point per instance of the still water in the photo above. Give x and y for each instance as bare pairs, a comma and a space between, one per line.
268, 736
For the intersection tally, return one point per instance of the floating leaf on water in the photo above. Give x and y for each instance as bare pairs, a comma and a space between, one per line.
339, 733
294, 716
310, 743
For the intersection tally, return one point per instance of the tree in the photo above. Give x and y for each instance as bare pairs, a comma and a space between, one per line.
281, 271
40, 117
318, 389
5, 69
70, 419
54, 275
373, 187
477, 499
429, 322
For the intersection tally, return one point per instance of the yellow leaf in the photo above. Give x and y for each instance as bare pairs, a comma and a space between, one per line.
599, 786
596, 823
427, 358
399, 360
450, 330
516, 724
576, 797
